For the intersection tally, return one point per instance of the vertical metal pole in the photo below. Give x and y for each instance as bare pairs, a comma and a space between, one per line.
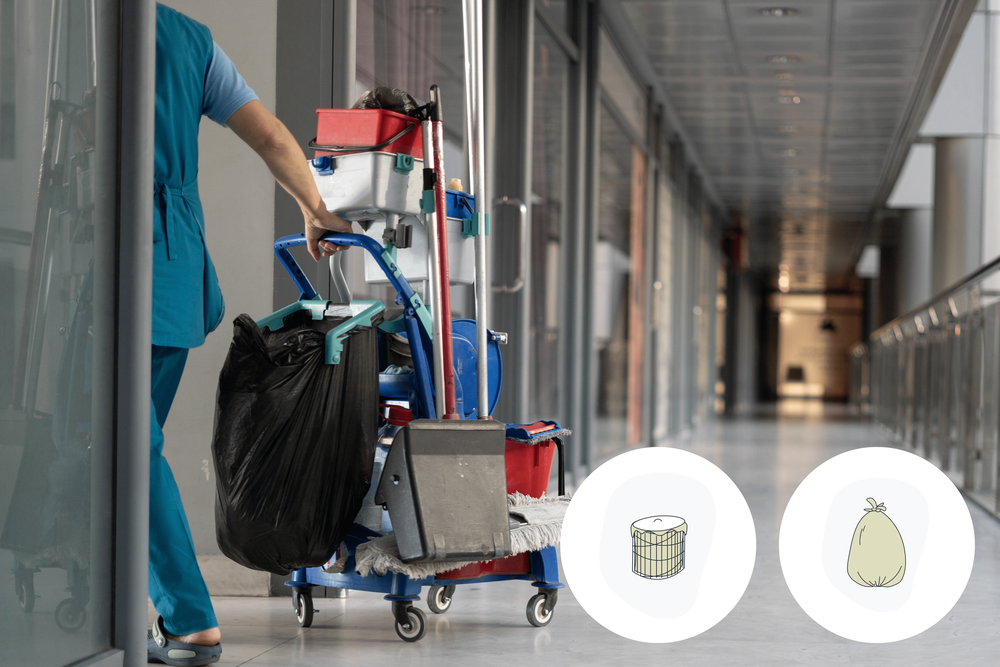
972, 392
474, 113
103, 368
90, 21
345, 49
573, 311
137, 69
430, 226
587, 242
992, 470
524, 375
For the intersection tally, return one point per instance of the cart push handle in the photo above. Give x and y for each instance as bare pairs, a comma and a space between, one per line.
406, 295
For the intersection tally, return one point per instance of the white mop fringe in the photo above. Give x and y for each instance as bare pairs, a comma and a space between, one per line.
544, 516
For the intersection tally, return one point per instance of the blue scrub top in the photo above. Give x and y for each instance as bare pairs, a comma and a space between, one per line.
193, 77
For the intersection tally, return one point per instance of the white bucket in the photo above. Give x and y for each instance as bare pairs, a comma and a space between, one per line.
364, 186
412, 261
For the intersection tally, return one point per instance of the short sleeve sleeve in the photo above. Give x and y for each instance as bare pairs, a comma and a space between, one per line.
225, 89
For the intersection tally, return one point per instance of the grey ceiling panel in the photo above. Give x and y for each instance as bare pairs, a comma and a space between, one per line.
797, 147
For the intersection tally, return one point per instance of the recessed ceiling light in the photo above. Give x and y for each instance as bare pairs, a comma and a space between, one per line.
779, 11
788, 129
782, 59
789, 99
788, 152
427, 9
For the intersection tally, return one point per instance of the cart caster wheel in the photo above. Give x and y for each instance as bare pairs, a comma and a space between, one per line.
302, 603
439, 598
25, 589
538, 616
70, 615
415, 629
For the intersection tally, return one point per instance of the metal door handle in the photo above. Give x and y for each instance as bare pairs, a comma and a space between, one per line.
522, 257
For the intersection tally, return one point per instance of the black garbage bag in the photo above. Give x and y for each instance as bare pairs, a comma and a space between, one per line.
294, 441
390, 99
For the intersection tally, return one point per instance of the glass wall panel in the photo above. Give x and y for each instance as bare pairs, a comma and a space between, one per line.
662, 303
555, 10
707, 282
551, 95
411, 45
619, 85
681, 313
719, 323
55, 373
617, 270
691, 317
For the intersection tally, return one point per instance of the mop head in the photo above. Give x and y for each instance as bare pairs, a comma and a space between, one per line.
541, 524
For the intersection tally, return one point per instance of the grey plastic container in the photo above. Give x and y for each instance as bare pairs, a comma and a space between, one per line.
444, 484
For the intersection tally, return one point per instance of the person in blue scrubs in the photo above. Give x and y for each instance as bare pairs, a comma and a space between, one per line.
194, 77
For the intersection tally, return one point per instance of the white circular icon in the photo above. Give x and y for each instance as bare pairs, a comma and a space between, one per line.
658, 545
876, 545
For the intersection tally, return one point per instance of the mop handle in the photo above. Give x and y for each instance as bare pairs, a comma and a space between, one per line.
443, 277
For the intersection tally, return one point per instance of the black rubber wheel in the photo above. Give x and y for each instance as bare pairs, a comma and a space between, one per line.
70, 615
439, 598
24, 586
536, 613
417, 624
302, 603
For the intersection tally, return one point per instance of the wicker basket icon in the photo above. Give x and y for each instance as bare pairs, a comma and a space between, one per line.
658, 546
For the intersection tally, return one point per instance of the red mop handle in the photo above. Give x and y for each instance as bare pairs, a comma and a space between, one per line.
444, 276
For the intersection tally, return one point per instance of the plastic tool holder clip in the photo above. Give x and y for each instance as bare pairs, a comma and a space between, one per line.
404, 163
478, 224
401, 237
323, 165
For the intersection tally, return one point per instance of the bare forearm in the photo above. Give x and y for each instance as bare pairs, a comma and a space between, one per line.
272, 141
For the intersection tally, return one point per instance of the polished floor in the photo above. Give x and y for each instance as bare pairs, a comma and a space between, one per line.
767, 457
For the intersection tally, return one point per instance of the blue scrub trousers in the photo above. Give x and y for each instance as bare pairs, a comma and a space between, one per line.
176, 586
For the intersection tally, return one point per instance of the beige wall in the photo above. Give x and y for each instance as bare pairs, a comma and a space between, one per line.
237, 193
820, 351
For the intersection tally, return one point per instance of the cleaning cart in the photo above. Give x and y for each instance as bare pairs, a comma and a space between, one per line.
523, 469
456, 497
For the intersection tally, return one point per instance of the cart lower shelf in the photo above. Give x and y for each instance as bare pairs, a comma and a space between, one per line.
538, 567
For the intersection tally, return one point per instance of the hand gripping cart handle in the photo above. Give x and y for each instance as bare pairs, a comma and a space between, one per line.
416, 320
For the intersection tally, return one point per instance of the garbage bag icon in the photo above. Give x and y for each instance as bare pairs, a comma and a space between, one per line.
877, 558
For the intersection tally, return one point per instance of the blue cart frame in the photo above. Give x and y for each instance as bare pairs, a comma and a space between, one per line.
401, 590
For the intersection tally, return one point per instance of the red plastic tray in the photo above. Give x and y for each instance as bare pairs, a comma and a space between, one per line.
517, 564
367, 127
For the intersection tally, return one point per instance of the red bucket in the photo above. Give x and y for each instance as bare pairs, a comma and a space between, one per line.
365, 128
528, 467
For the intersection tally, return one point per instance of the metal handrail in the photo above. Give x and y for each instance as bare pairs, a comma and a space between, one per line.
967, 281
929, 379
